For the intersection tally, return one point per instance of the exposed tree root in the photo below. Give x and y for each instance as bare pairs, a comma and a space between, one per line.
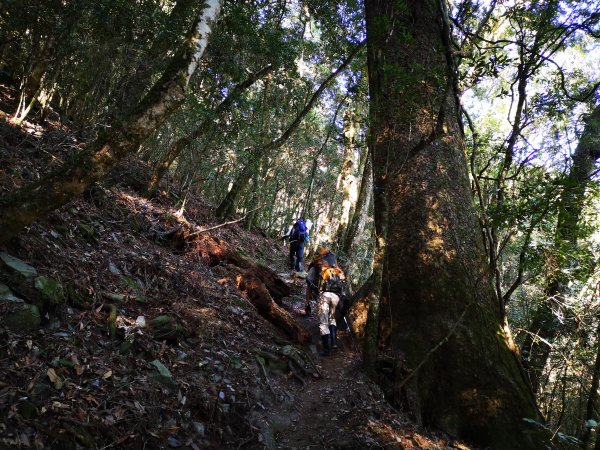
261, 285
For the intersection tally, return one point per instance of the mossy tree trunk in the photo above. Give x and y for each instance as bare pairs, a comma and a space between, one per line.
355, 234
442, 322
347, 182
24, 206
373, 298
362, 204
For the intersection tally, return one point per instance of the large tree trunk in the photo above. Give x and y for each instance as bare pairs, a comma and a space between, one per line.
443, 324
545, 324
373, 298
23, 207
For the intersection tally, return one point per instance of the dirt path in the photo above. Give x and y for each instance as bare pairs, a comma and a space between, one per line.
324, 402
330, 412
341, 410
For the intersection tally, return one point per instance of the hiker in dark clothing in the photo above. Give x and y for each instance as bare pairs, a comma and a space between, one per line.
298, 236
325, 283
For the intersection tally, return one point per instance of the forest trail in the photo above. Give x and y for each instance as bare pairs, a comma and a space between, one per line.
343, 407
324, 403
153, 341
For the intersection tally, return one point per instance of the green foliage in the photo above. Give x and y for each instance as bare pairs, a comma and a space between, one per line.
536, 55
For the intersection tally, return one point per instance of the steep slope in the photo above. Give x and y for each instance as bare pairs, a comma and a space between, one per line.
151, 337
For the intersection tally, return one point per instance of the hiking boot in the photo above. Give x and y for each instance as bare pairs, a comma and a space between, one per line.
333, 334
325, 340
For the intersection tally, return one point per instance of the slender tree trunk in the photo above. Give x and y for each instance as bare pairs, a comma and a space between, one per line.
227, 206
355, 235
263, 163
161, 168
22, 207
36, 82
362, 206
271, 211
257, 200
32, 83
592, 407
347, 182
445, 329
165, 41
48, 93
545, 324
306, 208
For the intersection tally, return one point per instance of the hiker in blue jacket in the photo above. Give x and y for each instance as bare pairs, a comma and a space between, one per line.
298, 236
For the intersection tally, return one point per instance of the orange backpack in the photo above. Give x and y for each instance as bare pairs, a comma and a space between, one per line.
332, 277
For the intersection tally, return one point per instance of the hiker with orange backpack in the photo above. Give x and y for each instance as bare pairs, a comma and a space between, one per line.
325, 283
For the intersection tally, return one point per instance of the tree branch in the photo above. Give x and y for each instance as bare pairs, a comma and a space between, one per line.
196, 233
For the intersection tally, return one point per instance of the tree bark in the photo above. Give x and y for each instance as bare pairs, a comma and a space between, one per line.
362, 204
166, 40
306, 207
266, 307
22, 207
355, 235
443, 324
592, 409
545, 324
347, 181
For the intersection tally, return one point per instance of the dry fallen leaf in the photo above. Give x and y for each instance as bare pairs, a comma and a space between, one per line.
54, 378
79, 370
107, 375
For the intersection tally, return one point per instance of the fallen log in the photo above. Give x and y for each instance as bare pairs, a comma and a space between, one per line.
260, 297
214, 252
263, 287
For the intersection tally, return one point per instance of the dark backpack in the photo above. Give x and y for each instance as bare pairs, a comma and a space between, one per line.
298, 232
332, 277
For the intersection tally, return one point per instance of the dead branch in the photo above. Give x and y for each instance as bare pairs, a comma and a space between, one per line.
196, 233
